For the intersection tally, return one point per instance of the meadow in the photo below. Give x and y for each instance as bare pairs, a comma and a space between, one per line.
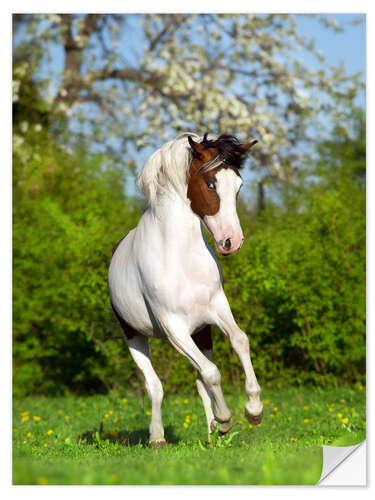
103, 439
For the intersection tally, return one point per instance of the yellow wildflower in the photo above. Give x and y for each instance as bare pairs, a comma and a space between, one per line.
148, 413
45, 445
293, 439
259, 425
187, 418
306, 420
25, 418
342, 400
186, 425
106, 415
83, 403
330, 410
250, 426
266, 401
15, 430
67, 417
186, 401
272, 415
345, 420
115, 419
289, 418
306, 408
29, 434
361, 387
59, 412
275, 409
339, 415
50, 432
243, 442
24, 413
42, 480
36, 418
110, 412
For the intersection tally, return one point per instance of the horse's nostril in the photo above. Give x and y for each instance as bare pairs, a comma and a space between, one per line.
227, 244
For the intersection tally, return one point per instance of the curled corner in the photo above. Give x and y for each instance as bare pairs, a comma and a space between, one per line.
333, 456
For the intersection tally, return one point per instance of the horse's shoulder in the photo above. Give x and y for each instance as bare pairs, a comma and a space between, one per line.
118, 243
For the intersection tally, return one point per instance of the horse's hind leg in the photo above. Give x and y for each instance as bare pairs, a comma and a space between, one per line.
203, 340
140, 351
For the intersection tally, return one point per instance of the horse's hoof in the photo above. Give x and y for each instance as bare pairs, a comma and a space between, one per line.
156, 444
254, 419
213, 425
225, 427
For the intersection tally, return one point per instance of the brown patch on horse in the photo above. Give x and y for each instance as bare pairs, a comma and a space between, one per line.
203, 339
204, 199
128, 330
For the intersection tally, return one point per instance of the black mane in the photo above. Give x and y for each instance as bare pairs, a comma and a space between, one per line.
229, 148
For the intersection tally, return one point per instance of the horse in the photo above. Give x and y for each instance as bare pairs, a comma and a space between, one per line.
165, 280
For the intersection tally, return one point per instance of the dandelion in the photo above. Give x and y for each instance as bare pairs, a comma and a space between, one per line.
78, 413
330, 410
115, 419
361, 387
59, 412
67, 417
339, 415
293, 439
306, 408
124, 400
50, 432
42, 480
36, 418
186, 401
28, 435
187, 418
243, 442
259, 425
306, 420
110, 412
83, 403
342, 400
275, 409
148, 413
346, 410
240, 422
107, 416
15, 430
45, 445
272, 415
186, 425
290, 419
250, 426
24, 413
266, 401
345, 420
25, 418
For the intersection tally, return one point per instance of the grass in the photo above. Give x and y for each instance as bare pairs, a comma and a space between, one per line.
103, 439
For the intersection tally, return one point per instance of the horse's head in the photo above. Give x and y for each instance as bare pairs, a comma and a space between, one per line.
213, 185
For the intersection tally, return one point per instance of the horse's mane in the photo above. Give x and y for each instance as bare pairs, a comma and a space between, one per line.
170, 164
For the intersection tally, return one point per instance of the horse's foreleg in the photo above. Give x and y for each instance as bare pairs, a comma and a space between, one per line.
203, 340
181, 340
240, 343
140, 351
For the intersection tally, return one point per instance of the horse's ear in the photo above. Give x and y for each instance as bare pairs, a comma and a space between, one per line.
245, 147
195, 146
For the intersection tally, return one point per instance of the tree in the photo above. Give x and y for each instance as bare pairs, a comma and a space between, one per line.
237, 73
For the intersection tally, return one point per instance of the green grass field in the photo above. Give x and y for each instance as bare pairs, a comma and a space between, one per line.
103, 439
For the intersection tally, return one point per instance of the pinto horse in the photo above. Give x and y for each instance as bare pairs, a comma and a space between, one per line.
165, 280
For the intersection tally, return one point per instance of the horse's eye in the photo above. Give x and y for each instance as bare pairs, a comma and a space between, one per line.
211, 185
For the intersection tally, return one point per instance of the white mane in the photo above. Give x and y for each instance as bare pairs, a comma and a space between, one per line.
167, 167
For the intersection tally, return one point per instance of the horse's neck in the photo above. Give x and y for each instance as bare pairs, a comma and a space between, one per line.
176, 222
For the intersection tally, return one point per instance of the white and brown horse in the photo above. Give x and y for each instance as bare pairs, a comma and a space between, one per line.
165, 280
